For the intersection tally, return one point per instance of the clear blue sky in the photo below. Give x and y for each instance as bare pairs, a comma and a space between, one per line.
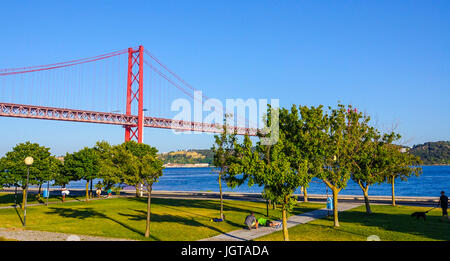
388, 58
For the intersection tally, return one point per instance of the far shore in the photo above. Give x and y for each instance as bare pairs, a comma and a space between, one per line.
187, 165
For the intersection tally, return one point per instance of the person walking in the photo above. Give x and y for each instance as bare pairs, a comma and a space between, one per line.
443, 203
64, 192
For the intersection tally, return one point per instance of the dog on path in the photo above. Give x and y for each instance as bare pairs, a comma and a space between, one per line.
420, 215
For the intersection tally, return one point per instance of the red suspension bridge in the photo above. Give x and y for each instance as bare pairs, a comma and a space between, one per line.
93, 90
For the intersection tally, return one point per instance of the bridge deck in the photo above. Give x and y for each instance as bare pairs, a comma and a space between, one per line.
63, 114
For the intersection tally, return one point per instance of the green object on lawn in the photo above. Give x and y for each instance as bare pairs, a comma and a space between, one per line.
262, 221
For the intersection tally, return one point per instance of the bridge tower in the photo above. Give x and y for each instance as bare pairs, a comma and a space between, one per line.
135, 93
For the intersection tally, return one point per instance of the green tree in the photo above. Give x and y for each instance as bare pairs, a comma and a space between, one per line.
139, 150
6, 178
303, 128
54, 167
40, 171
340, 144
269, 164
401, 165
224, 155
150, 170
272, 170
110, 173
370, 162
139, 164
83, 165
63, 177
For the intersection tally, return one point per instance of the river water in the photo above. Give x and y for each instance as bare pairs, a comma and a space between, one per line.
430, 183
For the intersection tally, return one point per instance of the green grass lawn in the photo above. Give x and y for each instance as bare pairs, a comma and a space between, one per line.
388, 222
172, 219
8, 199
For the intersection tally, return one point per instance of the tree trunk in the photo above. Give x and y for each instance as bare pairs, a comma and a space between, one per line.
90, 191
137, 190
87, 190
39, 191
366, 200
221, 197
48, 192
15, 196
393, 191
305, 194
149, 202
365, 190
284, 220
335, 206
267, 208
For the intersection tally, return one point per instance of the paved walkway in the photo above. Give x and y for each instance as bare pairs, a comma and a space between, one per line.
32, 235
245, 234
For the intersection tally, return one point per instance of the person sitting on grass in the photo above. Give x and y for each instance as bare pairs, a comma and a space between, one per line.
251, 221
268, 223
443, 203
99, 192
99, 189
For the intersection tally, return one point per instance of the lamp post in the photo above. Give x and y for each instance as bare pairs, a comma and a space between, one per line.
28, 162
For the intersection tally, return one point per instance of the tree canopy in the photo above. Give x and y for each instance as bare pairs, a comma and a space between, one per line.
14, 170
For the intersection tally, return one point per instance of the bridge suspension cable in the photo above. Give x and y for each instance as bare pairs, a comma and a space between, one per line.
85, 90
11, 71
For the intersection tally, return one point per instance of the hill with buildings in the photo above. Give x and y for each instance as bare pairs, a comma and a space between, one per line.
433, 153
193, 156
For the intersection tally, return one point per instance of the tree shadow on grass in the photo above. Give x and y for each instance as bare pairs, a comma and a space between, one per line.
142, 215
18, 214
201, 204
175, 204
8, 199
68, 198
399, 222
196, 214
299, 209
325, 227
91, 213
231, 206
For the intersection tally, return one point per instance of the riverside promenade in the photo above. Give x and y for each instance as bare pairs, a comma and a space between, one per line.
237, 235
246, 235
401, 200
346, 203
